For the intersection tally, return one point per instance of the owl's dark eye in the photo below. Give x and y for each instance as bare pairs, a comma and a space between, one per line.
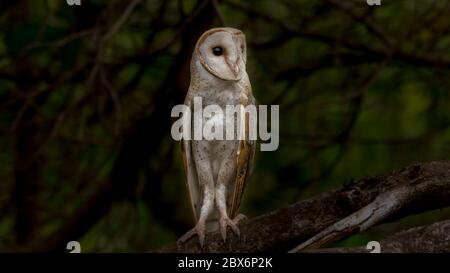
218, 51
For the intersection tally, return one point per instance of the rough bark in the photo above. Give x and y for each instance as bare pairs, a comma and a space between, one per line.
426, 186
434, 238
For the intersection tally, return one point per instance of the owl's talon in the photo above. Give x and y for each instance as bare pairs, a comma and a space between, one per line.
198, 230
239, 218
224, 223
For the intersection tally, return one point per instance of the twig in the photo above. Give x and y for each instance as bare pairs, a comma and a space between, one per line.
369, 23
381, 208
433, 238
218, 12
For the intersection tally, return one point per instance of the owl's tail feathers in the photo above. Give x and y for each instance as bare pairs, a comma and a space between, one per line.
212, 226
212, 223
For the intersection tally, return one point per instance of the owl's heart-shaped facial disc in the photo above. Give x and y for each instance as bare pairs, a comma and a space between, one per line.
222, 52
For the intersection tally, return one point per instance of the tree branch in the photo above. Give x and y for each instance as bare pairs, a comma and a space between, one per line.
434, 238
428, 186
413, 58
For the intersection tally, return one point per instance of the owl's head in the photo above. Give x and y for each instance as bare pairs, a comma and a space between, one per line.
222, 52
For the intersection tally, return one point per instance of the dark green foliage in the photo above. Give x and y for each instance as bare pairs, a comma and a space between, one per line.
86, 117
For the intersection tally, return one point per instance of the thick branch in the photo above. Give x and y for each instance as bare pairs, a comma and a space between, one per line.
281, 230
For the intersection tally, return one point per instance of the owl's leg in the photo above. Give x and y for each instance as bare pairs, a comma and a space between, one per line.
226, 173
199, 229
207, 186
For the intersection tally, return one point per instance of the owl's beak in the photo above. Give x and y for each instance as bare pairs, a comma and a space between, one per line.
235, 69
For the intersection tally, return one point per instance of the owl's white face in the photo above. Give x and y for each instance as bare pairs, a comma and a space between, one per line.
222, 52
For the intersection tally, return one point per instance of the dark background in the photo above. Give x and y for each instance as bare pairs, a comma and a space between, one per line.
86, 93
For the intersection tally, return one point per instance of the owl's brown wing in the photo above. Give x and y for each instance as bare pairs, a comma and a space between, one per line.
244, 158
193, 188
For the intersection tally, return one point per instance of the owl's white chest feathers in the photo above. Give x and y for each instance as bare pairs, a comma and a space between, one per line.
218, 151
221, 94
230, 95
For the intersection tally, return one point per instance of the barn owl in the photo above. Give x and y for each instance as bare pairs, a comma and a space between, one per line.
217, 170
